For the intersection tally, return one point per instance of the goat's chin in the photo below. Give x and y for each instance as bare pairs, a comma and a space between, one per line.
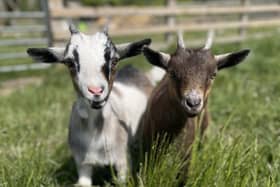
192, 112
97, 105
192, 115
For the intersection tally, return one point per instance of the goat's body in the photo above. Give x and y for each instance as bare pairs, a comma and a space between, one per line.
165, 119
103, 120
179, 102
102, 137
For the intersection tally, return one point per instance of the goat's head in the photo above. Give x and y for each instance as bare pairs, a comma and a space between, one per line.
91, 60
191, 72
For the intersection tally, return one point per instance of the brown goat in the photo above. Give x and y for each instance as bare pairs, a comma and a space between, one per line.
181, 96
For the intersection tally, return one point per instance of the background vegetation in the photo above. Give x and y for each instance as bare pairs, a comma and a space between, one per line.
241, 148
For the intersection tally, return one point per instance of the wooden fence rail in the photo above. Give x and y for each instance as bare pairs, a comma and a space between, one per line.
241, 14
23, 29
187, 28
167, 19
79, 12
22, 15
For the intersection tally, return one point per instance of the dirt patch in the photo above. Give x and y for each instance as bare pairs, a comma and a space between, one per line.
9, 86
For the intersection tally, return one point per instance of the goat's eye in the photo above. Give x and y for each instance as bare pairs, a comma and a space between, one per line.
114, 62
70, 63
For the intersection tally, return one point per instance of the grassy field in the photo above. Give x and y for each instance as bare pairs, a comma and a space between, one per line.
242, 147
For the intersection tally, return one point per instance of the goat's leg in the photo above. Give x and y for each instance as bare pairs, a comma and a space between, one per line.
122, 169
85, 173
188, 137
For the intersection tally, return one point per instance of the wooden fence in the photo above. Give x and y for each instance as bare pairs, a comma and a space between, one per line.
49, 26
200, 19
20, 29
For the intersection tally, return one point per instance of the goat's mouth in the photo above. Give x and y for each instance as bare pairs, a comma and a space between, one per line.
192, 111
98, 104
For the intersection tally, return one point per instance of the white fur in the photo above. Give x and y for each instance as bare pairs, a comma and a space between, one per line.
98, 137
91, 53
155, 75
96, 142
101, 137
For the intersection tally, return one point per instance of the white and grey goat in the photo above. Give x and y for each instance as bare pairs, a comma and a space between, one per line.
105, 116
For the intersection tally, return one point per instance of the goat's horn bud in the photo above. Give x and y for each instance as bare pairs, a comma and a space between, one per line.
180, 39
106, 29
209, 40
73, 29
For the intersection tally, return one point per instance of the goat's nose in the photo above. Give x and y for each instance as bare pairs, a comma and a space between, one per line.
193, 101
95, 90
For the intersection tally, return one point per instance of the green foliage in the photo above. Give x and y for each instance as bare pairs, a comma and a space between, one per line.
242, 146
29, 5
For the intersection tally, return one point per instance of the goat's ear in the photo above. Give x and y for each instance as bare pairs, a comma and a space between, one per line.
156, 58
231, 59
46, 55
132, 49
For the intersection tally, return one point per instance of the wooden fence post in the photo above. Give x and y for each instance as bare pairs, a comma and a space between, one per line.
170, 20
244, 19
45, 9
10, 6
278, 2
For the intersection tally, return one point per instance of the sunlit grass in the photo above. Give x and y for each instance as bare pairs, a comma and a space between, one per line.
241, 148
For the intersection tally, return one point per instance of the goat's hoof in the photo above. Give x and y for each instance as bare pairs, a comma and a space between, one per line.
83, 182
82, 185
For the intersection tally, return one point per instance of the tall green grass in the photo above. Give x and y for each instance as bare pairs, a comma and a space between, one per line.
241, 147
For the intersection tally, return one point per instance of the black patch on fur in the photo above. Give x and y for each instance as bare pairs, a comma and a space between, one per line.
107, 50
66, 48
109, 55
106, 70
42, 55
106, 67
77, 59
132, 76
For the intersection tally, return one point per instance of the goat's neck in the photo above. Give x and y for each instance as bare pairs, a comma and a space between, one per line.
166, 110
175, 107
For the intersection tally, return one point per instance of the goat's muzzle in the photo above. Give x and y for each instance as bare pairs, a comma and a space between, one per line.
193, 103
98, 99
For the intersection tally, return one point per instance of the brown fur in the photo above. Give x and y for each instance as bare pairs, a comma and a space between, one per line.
190, 74
165, 116
188, 69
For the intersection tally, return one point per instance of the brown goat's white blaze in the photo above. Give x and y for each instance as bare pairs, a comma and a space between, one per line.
181, 96
109, 104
